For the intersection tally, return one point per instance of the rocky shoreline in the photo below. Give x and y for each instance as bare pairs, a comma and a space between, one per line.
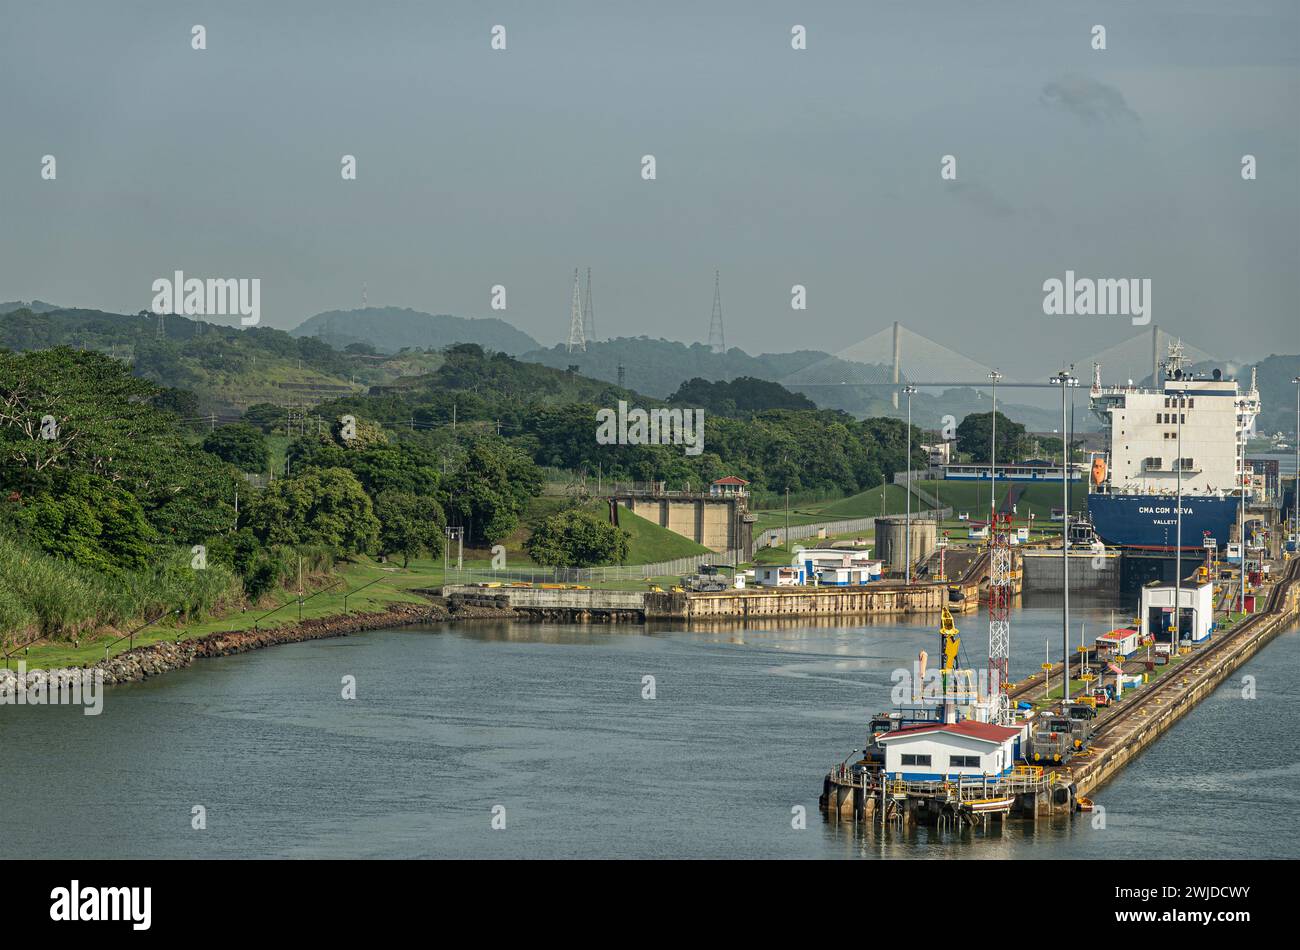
143, 662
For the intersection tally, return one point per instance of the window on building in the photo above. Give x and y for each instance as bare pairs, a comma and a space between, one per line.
963, 761
916, 760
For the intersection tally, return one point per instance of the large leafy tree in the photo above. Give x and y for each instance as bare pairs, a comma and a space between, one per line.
88, 519
488, 492
65, 413
325, 506
577, 538
409, 525
242, 445
975, 435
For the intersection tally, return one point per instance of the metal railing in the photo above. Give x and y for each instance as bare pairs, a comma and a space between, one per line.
960, 788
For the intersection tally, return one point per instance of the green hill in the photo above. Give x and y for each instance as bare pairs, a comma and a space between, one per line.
390, 329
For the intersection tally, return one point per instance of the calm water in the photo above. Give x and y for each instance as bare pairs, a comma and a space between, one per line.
548, 721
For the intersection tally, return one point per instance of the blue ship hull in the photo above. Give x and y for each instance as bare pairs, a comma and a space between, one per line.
1151, 521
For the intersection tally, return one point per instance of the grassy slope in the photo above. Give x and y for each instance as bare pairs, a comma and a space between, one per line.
649, 542
862, 505
973, 497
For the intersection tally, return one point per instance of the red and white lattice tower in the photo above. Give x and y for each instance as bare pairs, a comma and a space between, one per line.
1000, 588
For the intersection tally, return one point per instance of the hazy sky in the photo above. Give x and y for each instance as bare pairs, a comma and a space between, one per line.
818, 167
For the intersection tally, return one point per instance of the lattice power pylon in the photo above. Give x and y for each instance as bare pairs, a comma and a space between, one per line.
717, 339
577, 339
588, 314
1000, 588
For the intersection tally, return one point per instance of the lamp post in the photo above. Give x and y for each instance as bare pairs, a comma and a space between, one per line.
993, 456
1065, 381
1241, 505
1174, 640
907, 540
1295, 484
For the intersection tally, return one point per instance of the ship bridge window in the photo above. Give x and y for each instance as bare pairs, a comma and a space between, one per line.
1152, 464
963, 761
916, 760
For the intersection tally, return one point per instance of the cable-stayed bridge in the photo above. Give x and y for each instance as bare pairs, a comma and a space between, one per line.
897, 356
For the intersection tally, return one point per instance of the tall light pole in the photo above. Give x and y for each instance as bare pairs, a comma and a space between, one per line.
1065, 381
993, 454
1174, 640
1241, 506
1295, 484
907, 528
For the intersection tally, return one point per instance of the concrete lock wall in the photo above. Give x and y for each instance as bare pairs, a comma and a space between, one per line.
713, 522
891, 541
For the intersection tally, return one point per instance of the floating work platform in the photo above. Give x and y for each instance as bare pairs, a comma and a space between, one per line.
866, 794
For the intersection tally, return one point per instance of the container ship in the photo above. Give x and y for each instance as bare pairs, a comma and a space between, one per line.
1133, 489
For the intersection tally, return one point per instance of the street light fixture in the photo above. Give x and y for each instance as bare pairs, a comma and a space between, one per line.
1295, 484
993, 455
910, 391
1065, 380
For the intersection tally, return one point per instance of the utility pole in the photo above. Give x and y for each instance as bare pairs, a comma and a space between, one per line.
1295, 483
910, 390
1065, 381
786, 539
1241, 506
1178, 531
993, 454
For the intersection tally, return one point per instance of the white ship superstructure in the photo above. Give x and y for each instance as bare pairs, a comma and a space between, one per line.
1133, 489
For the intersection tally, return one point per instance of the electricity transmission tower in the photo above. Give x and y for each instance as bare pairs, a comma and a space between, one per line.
577, 341
717, 339
588, 315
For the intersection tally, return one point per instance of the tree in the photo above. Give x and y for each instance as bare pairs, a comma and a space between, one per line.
577, 538
742, 396
89, 521
325, 506
65, 412
976, 432
491, 488
409, 525
240, 444
266, 416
